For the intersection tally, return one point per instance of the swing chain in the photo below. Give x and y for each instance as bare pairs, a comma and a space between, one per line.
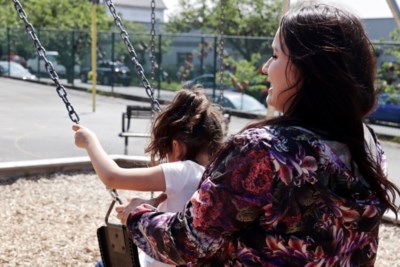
49, 66
221, 51
154, 65
114, 195
139, 68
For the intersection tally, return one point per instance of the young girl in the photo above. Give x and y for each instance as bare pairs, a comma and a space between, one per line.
185, 134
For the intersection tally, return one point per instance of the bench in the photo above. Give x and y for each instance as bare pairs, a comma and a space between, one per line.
146, 113
134, 112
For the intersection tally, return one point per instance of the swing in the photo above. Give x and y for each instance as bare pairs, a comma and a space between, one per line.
116, 248
139, 68
221, 55
105, 232
227, 115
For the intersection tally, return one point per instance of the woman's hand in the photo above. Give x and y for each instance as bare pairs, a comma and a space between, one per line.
124, 211
83, 136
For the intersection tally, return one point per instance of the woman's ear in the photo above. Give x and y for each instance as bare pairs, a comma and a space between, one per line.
179, 149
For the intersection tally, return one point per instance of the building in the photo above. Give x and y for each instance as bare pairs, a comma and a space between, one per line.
140, 10
379, 31
380, 28
184, 45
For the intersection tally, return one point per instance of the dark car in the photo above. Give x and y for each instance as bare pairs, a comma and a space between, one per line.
16, 70
207, 80
388, 109
15, 58
108, 72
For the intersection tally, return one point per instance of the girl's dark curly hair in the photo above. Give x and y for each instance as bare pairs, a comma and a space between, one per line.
190, 118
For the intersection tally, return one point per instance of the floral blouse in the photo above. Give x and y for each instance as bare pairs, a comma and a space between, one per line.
276, 196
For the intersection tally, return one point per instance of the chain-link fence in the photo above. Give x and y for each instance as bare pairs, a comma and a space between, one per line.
179, 58
388, 61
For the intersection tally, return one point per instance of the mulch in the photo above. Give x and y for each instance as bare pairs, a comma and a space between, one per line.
52, 221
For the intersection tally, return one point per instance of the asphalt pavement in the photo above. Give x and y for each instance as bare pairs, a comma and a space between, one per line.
35, 124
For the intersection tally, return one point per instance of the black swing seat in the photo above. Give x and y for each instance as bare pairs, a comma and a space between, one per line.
116, 248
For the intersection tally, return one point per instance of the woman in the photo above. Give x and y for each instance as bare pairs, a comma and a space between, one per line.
305, 189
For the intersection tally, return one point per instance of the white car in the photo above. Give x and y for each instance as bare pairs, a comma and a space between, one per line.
37, 66
16, 70
239, 101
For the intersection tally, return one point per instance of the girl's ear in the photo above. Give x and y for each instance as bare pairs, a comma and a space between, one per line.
179, 149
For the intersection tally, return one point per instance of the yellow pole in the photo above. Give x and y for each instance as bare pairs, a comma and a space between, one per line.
285, 7
394, 7
94, 57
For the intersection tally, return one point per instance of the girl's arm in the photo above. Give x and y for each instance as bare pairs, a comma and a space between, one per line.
113, 176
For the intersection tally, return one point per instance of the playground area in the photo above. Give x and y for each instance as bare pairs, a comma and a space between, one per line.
60, 229
50, 219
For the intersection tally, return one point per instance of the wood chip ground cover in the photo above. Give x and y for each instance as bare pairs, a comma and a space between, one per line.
52, 221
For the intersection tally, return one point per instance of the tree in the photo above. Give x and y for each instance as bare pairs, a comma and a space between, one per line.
61, 25
257, 18
389, 72
55, 14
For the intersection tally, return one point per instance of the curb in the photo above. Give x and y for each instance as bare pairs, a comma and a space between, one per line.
21, 169
233, 112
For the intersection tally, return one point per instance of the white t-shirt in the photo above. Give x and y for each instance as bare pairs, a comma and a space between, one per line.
181, 180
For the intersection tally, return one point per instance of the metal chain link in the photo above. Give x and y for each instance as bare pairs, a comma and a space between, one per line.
114, 195
49, 66
154, 65
139, 68
221, 52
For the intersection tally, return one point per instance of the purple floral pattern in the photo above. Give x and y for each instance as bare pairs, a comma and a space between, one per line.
277, 196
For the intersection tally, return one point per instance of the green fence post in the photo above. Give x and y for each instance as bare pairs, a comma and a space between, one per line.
159, 61
113, 60
215, 63
8, 50
202, 56
38, 62
71, 74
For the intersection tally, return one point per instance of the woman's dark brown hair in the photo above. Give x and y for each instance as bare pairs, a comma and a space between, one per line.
336, 64
190, 118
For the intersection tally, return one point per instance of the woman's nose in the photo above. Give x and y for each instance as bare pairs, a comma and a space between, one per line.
264, 69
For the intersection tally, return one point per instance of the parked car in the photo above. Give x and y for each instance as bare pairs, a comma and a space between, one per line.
240, 101
14, 69
37, 66
388, 109
108, 72
15, 58
207, 81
